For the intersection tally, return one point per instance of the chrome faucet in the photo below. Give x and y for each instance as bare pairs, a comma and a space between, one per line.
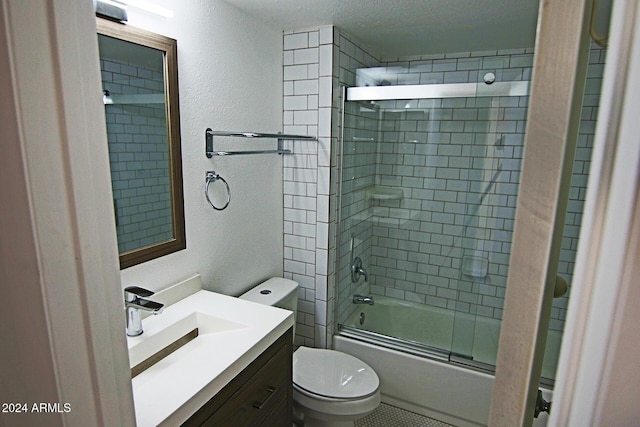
361, 299
134, 302
357, 270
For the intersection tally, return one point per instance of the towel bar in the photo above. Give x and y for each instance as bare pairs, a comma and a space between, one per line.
209, 134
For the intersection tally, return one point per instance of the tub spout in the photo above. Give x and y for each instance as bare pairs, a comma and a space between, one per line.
361, 299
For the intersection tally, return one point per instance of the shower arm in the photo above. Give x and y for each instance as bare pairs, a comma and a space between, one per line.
488, 188
491, 184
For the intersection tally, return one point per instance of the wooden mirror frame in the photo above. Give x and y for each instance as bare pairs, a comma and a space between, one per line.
169, 47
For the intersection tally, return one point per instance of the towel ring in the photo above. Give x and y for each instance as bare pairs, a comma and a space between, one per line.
210, 177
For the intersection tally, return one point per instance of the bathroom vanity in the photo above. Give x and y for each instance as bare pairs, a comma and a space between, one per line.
259, 395
236, 370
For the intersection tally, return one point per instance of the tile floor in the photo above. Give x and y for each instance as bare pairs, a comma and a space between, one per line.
390, 416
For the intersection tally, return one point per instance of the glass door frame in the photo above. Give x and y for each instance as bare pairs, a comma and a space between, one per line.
560, 63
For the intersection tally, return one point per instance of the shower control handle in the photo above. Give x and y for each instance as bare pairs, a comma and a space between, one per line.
357, 271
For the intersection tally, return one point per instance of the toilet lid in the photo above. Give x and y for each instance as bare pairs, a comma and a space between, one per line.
332, 373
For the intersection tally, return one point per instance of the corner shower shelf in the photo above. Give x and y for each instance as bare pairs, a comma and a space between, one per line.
378, 192
281, 137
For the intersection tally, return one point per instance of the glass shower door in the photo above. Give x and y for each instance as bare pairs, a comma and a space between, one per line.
445, 243
427, 202
427, 194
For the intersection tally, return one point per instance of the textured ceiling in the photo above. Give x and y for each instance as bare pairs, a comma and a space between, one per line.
396, 28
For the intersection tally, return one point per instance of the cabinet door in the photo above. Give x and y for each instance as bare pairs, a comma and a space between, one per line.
260, 395
259, 399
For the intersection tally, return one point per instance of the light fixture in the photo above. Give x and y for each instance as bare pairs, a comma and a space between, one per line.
110, 9
148, 6
117, 9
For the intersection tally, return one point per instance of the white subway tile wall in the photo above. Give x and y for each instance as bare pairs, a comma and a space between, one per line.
301, 103
316, 63
138, 156
444, 157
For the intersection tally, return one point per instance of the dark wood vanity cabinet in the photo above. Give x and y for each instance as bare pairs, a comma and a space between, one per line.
261, 395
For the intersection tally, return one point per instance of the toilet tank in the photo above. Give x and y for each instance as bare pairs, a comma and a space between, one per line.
277, 292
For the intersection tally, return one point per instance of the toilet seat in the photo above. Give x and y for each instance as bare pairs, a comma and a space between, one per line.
331, 375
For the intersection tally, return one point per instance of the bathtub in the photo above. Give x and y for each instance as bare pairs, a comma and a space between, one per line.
430, 384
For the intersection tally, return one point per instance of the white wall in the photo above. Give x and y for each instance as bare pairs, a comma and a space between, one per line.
229, 69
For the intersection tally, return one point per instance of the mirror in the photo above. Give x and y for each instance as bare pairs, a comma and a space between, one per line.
140, 92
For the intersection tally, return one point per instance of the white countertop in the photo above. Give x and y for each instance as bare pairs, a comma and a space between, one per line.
170, 391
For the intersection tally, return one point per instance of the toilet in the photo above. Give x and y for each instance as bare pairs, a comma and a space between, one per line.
330, 388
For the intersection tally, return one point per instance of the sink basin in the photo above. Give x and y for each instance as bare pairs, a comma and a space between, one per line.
174, 376
175, 371
156, 338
